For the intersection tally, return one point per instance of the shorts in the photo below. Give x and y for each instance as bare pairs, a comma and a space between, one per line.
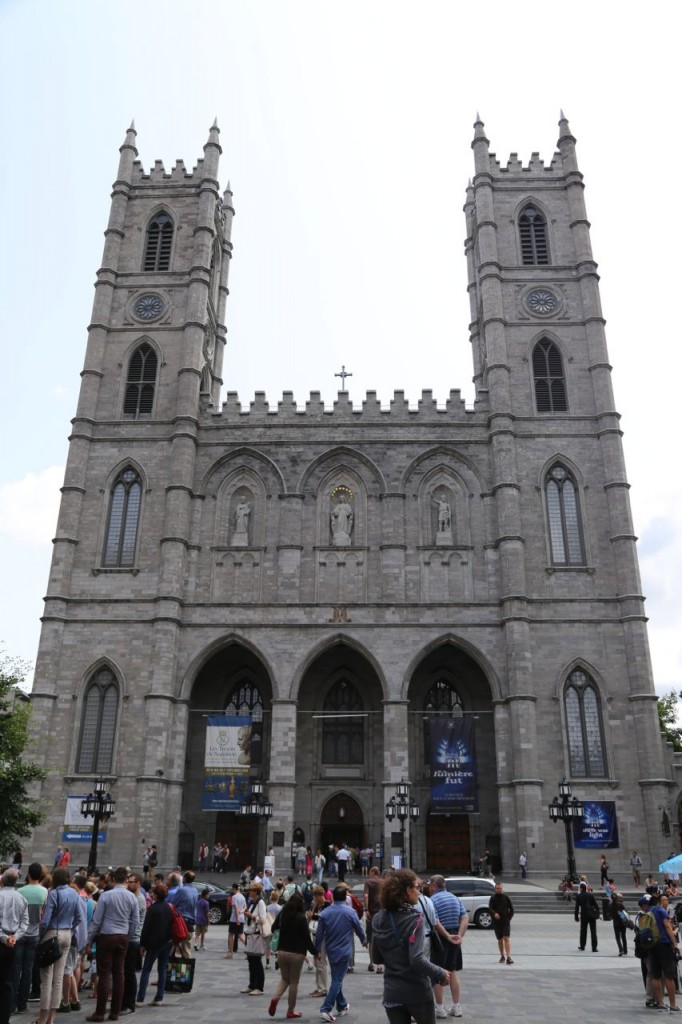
662, 961
71, 962
453, 957
502, 929
235, 928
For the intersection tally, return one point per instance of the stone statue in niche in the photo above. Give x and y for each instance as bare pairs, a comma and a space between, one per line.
444, 525
240, 537
342, 522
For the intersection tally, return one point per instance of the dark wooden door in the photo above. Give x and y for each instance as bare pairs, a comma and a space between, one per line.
448, 847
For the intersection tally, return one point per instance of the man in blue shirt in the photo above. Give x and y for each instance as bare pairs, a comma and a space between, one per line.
335, 929
453, 916
113, 924
662, 961
184, 899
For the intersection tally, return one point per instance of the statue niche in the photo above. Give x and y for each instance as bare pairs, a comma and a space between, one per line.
443, 525
242, 505
341, 516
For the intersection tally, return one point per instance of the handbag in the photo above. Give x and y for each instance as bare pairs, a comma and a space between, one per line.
49, 950
180, 973
266, 927
178, 926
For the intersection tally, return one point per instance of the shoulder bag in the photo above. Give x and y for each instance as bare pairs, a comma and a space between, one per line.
49, 950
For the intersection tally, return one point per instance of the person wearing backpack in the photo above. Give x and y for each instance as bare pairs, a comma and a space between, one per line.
587, 912
662, 961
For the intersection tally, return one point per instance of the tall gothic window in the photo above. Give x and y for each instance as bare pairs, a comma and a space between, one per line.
563, 517
158, 244
246, 699
343, 727
443, 698
550, 383
584, 726
533, 236
139, 397
98, 725
123, 521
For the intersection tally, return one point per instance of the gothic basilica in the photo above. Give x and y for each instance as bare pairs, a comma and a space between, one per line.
368, 589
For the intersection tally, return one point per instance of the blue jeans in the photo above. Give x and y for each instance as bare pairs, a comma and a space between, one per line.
335, 994
161, 953
24, 957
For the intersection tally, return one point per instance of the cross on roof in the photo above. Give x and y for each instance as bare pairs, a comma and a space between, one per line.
343, 376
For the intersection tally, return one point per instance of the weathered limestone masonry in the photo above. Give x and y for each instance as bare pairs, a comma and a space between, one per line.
342, 573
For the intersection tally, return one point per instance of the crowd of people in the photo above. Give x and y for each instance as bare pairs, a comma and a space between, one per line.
62, 935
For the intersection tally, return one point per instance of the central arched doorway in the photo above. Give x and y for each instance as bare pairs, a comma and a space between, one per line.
342, 821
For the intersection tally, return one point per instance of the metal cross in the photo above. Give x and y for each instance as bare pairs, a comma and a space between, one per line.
343, 376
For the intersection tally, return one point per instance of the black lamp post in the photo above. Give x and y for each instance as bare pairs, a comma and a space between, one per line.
100, 805
258, 807
402, 807
563, 808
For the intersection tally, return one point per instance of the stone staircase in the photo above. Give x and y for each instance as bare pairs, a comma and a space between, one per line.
539, 901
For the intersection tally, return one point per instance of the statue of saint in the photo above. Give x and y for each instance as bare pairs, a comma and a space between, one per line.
342, 523
444, 527
241, 529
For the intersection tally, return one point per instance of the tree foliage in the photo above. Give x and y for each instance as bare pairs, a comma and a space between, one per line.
18, 813
668, 717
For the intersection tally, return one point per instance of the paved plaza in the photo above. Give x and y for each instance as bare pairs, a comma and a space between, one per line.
549, 980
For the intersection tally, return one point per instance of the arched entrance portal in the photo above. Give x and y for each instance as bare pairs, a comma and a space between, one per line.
342, 821
450, 696
233, 682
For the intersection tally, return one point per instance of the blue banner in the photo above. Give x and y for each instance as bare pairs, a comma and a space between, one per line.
452, 753
598, 829
227, 762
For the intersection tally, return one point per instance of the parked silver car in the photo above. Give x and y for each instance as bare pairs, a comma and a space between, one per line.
475, 894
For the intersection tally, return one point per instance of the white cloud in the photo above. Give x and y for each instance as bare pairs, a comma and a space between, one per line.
29, 507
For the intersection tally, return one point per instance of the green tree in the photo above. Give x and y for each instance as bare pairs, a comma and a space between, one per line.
668, 717
18, 813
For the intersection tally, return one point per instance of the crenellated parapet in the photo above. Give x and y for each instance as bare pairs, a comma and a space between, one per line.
158, 173
535, 167
343, 410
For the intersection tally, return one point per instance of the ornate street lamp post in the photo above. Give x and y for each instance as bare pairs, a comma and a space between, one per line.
563, 808
402, 807
258, 807
99, 805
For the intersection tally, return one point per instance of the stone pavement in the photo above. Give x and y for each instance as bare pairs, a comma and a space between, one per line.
550, 979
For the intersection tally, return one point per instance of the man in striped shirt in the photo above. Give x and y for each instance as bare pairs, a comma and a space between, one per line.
454, 918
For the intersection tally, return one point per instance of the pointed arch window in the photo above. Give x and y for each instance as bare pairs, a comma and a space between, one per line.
563, 517
123, 520
343, 727
98, 724
158, 244
533, 236
139, 396
584, 726
442, 698
548, 373
246, 699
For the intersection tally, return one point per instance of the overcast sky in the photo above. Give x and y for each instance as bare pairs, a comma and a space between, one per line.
346, 132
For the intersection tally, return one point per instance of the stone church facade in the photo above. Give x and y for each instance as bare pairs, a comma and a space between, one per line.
341, 574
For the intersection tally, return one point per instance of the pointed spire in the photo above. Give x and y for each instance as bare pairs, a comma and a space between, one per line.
213, 135
132, 125
129, 141
479, 129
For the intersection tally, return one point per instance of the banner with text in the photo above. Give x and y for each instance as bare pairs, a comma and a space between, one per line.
598, 829
452, 754
227, 762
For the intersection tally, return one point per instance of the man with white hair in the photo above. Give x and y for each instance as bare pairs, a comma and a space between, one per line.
13, 925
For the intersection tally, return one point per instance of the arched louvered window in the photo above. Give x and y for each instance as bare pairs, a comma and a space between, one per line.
343, 725
533, 236
246, 699
584, 726
548, 372
98, 725
139, 397
563, 517
123, 521
159, 242
443, 698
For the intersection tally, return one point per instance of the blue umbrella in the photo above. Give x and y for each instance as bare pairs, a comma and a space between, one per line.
674, 865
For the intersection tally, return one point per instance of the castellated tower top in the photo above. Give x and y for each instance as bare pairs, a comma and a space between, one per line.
562, 162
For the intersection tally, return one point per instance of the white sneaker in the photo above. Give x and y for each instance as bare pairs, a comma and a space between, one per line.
455, 1010
440, 1011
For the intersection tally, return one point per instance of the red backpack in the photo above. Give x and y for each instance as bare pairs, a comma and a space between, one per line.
179, 929
357, 906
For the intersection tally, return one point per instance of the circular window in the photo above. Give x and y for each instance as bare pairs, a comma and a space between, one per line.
148, 307
542, 302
